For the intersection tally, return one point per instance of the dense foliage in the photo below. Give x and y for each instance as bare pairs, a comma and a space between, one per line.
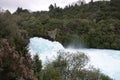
13, 65
37, 66
15, 61
67, 66
94, 25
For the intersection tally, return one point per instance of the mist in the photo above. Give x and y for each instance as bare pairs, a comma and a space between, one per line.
106, 60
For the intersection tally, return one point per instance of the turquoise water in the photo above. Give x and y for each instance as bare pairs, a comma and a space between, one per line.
108, 61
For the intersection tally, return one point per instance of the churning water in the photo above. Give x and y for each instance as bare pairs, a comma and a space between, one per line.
108, 61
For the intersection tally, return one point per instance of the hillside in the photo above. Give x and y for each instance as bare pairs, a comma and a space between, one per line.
95, 24
92, 25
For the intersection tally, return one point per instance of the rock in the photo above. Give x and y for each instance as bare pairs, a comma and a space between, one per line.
52, 33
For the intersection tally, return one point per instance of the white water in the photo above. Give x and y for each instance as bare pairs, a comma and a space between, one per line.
108, 61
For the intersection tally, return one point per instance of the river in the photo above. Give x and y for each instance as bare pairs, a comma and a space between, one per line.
107, 60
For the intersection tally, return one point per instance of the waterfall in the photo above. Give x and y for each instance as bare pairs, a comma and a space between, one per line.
108, 61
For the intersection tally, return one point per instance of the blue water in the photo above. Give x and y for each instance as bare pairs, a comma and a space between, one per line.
108, 61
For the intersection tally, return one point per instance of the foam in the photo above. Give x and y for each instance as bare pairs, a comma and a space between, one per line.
108, 61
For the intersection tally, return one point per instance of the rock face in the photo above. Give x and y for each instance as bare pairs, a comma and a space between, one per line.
52, 34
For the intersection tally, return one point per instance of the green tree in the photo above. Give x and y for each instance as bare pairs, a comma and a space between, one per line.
13, 64
71, 66
37, 66
51, 7
115, 3
21, 10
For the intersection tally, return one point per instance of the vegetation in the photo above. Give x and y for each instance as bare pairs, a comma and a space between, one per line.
37, 66
96, 25
13, 65
68, 66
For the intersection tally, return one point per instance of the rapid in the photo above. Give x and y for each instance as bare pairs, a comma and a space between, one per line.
107, 60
